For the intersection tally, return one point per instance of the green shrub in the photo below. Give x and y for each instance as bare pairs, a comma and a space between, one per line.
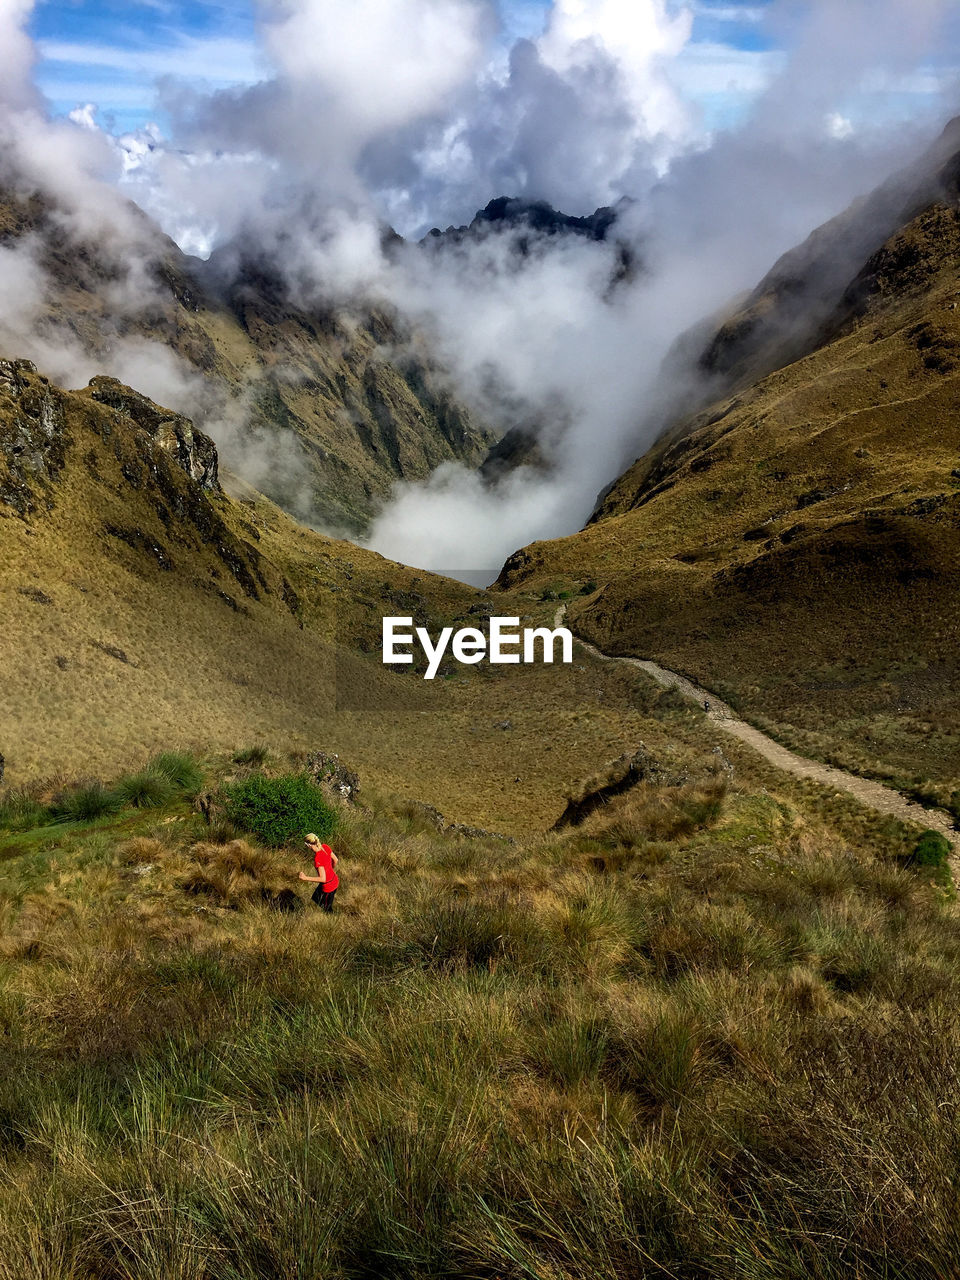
276, 810
180, 768
146, 790
256, 756
86, 802
932, 850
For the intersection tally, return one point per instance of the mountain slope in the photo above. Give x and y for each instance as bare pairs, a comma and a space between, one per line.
143, 608
795, 545
327, 409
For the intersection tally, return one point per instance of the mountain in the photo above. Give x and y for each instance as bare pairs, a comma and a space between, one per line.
526, 217
143, 607
794, 544
528, 226
328, 408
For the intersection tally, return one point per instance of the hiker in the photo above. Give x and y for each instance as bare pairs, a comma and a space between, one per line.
706, 706
326, 879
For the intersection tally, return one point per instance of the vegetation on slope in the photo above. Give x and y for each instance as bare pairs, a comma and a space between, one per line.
141, 608
709, 1032
795, 546
327, 408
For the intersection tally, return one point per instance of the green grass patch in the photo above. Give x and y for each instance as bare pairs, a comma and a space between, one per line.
180, 768
146, 790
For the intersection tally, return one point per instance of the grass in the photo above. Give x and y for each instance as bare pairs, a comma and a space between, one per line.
180, 768
720, 1049
829, 623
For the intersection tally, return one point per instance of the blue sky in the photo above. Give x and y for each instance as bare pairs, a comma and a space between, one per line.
113, 53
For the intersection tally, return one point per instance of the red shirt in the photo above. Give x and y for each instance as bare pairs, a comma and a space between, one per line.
324, 859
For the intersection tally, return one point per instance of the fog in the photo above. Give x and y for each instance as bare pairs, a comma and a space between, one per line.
414, 113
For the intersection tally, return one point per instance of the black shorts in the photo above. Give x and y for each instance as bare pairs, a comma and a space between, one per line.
324, 900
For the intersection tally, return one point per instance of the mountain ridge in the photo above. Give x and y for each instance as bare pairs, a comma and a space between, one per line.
793, 544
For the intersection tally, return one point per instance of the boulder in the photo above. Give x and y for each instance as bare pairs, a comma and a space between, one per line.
614, 779
327, 770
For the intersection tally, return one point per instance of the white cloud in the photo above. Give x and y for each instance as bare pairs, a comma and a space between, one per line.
16, 55
730, 12
376, 64
219, 61
638, 37
706, 67
839, 126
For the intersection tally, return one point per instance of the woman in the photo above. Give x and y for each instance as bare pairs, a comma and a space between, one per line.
326, 879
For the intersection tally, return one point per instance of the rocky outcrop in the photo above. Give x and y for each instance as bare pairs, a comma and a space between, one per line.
194, 452
33, 442
530, 216
328, 771
617, 777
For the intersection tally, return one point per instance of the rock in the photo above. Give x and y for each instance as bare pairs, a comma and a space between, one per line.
35, 594
426, 811
113, 651
194, 452
32, 438
618, 776
209, 805
326, 770
439, 823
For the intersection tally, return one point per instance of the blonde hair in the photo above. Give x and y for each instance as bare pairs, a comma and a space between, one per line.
312, 839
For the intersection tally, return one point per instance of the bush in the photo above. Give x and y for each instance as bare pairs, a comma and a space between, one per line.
932, 850
86, 802
180, 768
276, 810
146, 790
256, 756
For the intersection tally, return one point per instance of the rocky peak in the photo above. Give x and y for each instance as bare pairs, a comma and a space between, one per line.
32, 443
508, 212
194, 452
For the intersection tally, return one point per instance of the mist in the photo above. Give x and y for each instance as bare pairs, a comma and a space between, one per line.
410, 114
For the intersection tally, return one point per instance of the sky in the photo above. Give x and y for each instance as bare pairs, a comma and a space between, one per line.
113, 54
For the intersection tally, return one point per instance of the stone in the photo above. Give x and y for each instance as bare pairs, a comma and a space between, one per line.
194, 452
618, 776
327, 770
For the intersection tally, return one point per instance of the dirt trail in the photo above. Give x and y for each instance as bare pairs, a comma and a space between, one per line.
873, 794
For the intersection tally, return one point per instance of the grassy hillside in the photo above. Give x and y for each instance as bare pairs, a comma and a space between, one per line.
710, 1032
795, 546
142, 610
334, 406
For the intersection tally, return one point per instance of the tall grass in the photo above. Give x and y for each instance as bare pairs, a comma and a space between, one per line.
556, 1060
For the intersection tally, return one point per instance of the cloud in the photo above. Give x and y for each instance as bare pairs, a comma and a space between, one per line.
217, 60
414, 112
738, 13
16, 55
